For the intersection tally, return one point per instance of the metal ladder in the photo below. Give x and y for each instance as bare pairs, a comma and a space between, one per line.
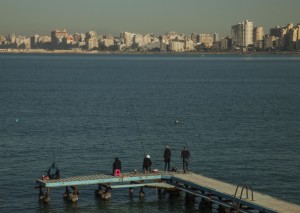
236, 206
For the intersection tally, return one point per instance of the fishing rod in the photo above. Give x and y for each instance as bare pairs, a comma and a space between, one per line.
175, 161
177, 123
53, 156
137, 123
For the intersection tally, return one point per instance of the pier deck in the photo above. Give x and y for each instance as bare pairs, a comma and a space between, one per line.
262, 202
208, 188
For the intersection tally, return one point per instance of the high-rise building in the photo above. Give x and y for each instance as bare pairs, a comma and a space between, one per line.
258, 37
91, 40
92, 43
242, 34
275, 31
57, 37
270, 42
292, 38
128, 38
226, 43
216, 37
189, 45
258, 33
34, 41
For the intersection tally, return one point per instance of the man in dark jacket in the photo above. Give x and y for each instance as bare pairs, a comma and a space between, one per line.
167, 158
147, 164
185, 155
53, 172
117, 165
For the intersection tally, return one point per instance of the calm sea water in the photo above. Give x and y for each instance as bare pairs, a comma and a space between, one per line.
239, 116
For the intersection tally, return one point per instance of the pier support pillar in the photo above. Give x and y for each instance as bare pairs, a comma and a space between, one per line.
131, 190
106, 195
46, 198
189, 198
173, 193
100, 190
142, 193
41, 194
222, 209
205, 204
159, 191
67, 193
73, 197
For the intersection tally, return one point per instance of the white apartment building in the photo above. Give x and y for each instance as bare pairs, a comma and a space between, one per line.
242, 34
128, 38
176, 46
189, 45
216, 37
92, 43
142, 40
107, 42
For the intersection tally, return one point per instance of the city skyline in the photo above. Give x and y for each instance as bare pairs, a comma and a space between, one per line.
207, 16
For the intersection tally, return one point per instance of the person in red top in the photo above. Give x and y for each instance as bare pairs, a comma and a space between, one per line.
116, 165
185, 155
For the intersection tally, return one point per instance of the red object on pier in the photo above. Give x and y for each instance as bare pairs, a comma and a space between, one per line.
117, 173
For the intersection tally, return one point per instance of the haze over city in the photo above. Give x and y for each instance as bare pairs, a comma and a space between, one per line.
206, 16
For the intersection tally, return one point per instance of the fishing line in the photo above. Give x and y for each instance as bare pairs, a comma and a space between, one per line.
138, 127
178, 123
177, 162
109, 142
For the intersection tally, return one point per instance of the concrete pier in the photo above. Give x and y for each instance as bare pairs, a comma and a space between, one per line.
229, 196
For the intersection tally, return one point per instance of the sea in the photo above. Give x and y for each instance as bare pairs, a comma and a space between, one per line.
239, 115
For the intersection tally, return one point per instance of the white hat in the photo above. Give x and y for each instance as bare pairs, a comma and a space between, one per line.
147, 156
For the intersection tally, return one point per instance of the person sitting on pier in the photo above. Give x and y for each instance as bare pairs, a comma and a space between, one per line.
185, 155
53, 172
167, 158
147, 164
116, 165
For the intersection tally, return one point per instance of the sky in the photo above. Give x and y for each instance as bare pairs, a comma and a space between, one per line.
28, 17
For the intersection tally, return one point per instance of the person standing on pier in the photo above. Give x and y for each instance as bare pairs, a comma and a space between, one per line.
167, 158
147, 164
185, 155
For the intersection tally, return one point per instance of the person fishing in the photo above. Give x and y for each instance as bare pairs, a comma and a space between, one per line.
147, 164
167, 158
117, 165
53, 172
185, 155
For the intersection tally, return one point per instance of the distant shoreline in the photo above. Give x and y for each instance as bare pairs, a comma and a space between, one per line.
58, 52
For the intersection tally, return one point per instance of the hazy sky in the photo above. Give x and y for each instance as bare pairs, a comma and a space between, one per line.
27, 17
